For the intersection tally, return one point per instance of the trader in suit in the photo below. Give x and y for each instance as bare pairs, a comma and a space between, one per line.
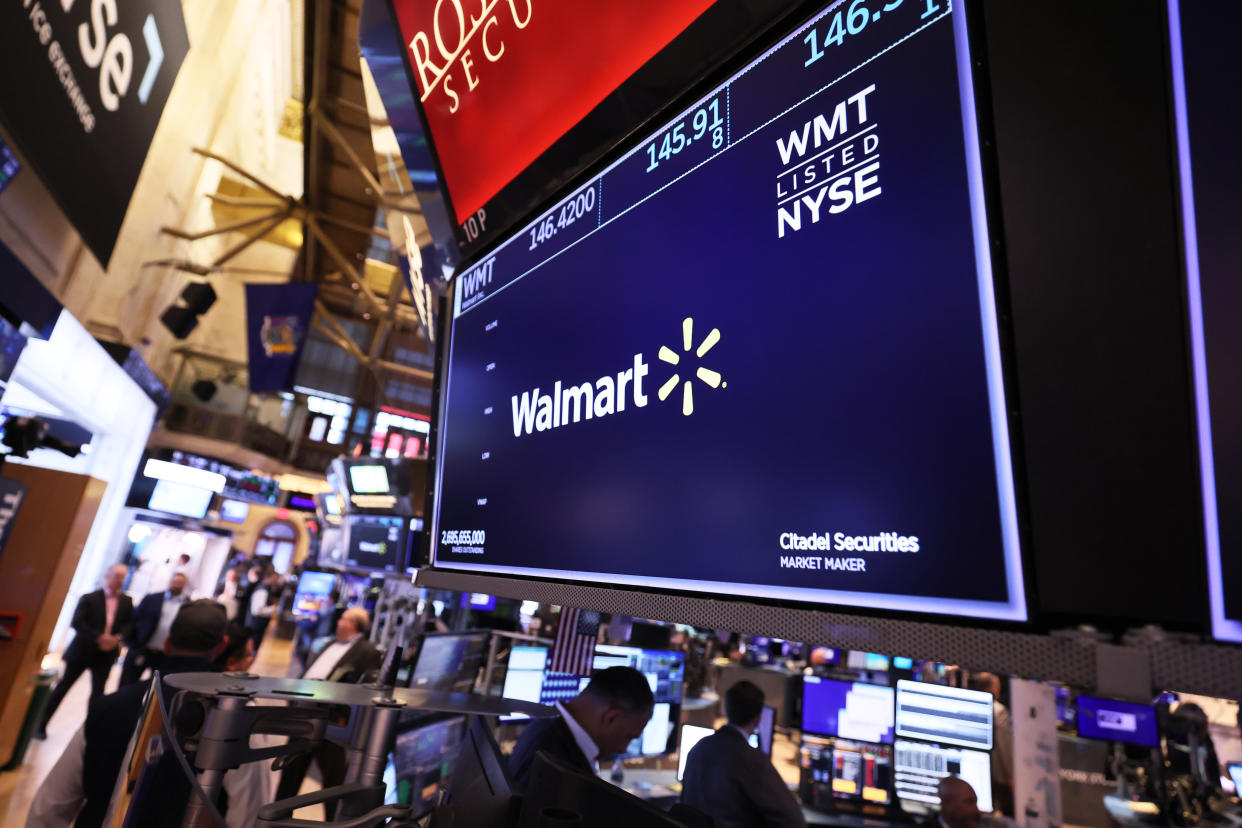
599, 722
100, 622
734, 782
152, 621
346, 660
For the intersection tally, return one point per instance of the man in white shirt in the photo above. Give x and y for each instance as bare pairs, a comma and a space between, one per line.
347, 659
600, 722
152, 620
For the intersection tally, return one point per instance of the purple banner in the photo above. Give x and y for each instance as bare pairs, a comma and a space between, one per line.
277, 321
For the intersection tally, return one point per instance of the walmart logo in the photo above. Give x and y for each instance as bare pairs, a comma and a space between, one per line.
535, 411
712, 378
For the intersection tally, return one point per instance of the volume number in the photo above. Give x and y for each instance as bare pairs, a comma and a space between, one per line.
462, 537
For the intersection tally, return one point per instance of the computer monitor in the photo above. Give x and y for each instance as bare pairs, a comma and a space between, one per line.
595, 802
1118, 721
691, 735
919, 767
481, 792
835, 771
234, 511
945, 715
424, 756
762, 737
1234, 769
448, 662
313, 589
525, 674
851, 710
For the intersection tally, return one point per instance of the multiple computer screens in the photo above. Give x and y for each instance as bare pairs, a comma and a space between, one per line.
529, 679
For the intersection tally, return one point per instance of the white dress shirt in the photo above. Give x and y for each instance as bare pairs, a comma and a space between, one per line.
168, 612
329, 658
583, 739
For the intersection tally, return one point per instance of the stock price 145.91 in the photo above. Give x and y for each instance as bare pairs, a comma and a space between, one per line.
705, 123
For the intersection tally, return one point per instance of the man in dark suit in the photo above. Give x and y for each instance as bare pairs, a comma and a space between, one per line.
959, 807
734, 782
347, 659
600, 722
152, 621
101, 621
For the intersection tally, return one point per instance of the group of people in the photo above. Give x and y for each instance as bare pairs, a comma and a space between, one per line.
172, 633
726, 783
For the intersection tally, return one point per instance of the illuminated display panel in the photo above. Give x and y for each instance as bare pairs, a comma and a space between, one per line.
769, 328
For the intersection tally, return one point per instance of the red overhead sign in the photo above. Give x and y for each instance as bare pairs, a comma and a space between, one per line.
501, 80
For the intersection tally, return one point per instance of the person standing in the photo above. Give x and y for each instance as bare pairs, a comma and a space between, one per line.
101, 621
733, 782
262, 607
1002, 743
152, 621
347, 659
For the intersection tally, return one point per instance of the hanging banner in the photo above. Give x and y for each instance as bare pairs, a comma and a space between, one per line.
277, 320
499, 82
85, 85
1036, 761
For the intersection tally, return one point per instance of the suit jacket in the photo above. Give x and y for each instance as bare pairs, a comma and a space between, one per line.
737, 785
88, 623
110, 722
550, 736
358, 660
146, 619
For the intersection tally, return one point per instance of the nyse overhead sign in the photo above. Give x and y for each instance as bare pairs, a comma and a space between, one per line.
500, 80
84, 84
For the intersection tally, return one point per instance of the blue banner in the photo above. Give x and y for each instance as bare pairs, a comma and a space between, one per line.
277, 320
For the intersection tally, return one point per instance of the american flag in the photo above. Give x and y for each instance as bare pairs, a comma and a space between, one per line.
574, 647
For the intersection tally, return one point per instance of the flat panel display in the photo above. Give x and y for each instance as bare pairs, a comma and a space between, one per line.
1117, 721
919, 768
762, 737
423, 761
368, 479
851, 710
770, 328
376, 542
449, 662
180, 499
234, 511
524, 676
691, 735
949, 715
313, 589
1204, 73
841, 769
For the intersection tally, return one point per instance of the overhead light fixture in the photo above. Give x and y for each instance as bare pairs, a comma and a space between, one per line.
177, 473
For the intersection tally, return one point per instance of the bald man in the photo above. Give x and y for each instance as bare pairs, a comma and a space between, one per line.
103, 619
347, 659
959, 807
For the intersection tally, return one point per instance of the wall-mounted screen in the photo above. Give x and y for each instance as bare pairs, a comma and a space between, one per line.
851, 710
180, 499
1118, 721
313, 589
769, 328
948, 715
842, 769
1204, 69
234, 511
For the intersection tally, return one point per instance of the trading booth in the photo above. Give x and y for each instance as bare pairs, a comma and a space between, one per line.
867, 351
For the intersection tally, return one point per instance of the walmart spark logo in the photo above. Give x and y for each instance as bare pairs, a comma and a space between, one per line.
708, 376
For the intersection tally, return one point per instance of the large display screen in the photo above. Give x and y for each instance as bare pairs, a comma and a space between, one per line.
851, 710
180, 499
1118, 721
944, 714
842, 769
759, 353
1204, 67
